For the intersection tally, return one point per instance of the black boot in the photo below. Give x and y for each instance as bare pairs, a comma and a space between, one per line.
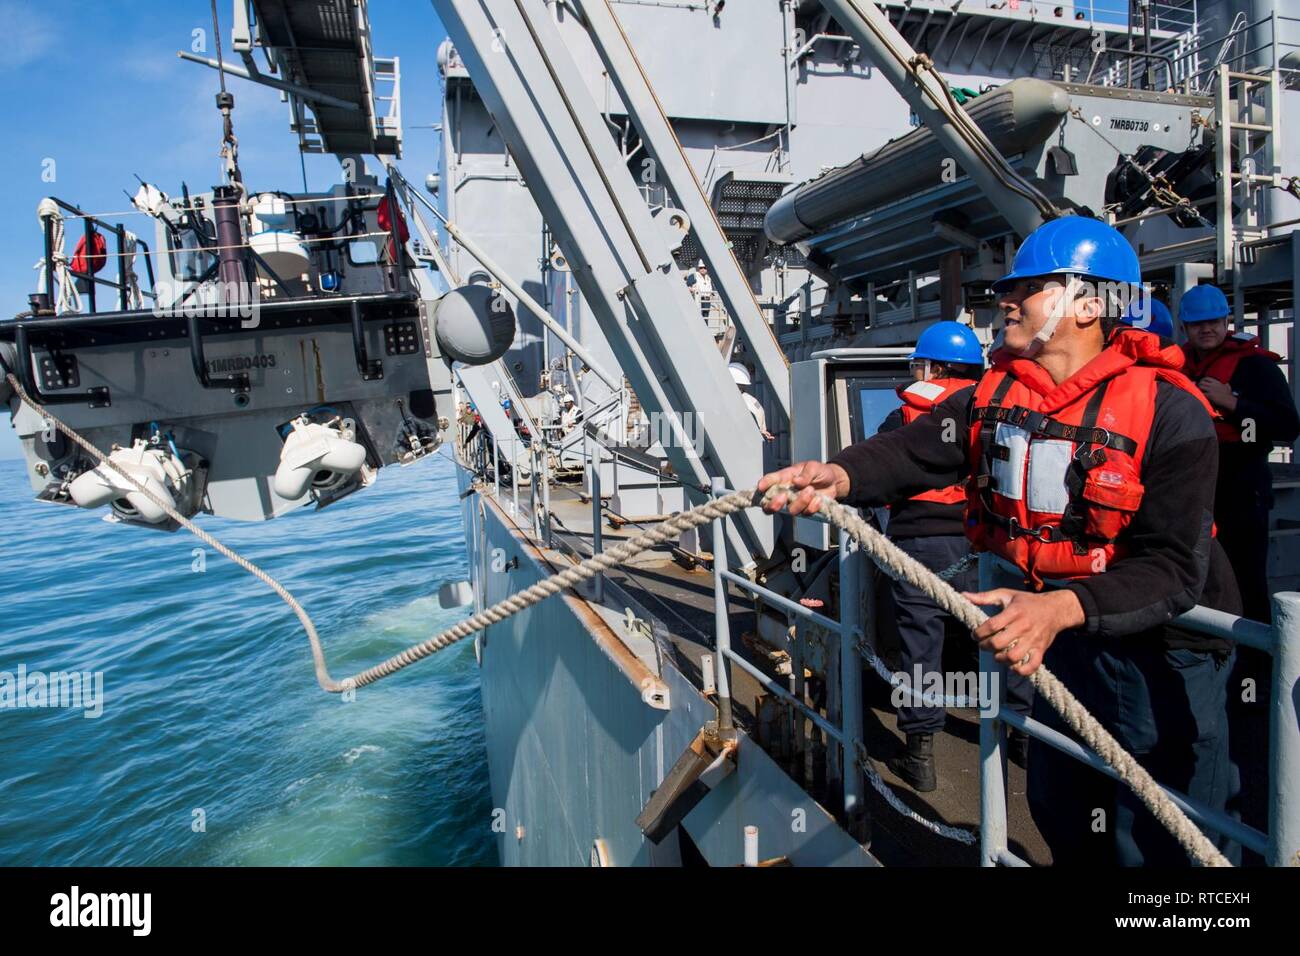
916, 766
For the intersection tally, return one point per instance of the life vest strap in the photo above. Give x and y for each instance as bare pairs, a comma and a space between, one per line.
1040, 424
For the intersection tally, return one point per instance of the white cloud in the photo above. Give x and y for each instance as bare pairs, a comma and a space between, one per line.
28, 36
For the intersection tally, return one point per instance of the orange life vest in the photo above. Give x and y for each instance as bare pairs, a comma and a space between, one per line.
1221, 364
1056, 470
919, 398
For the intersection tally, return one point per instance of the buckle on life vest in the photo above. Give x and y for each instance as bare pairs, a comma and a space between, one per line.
1089, 455
1045, 533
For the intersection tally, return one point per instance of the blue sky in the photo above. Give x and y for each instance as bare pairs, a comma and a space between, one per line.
97, 88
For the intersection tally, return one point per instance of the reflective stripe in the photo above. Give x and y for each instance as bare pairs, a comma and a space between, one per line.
927, 390
1009, 472
1048, 462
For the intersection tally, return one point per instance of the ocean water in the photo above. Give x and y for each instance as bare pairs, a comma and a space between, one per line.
215, 745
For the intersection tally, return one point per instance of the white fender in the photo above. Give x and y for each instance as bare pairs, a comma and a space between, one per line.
315, 453
155, 469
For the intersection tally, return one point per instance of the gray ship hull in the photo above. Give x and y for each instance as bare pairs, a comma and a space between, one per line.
575, 751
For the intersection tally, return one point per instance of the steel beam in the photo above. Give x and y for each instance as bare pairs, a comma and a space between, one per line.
307, 94
633, 86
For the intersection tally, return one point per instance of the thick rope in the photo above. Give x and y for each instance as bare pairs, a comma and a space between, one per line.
891, 559
318, 655
66, 297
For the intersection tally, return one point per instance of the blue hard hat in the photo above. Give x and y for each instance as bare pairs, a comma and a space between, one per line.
949, 342
1205, 303
1150, 315
1074, 245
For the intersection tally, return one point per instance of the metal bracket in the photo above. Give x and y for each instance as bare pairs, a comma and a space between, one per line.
635, 626
56, 374
370, 369
683, 787
424, 330
238, 382
401, 338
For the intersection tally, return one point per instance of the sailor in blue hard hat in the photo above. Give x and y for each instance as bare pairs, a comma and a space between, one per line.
929, 526
1087, 260
950, 343
1088, 461
1149, 314
1243, 380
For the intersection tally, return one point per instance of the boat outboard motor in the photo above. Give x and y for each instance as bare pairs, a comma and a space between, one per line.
158, 469
474, 324
318, 457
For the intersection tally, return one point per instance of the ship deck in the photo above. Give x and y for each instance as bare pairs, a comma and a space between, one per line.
676, 599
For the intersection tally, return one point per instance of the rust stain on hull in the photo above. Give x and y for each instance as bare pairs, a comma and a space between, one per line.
651, 688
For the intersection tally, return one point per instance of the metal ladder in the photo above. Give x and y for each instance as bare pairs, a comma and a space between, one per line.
1258, 167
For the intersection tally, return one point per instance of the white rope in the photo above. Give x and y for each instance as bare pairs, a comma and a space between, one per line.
134, 297
891, 559
66, 298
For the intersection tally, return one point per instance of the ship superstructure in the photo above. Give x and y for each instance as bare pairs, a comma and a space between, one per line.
639, 205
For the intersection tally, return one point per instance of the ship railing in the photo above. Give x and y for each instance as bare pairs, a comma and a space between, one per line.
846, 729
91, 225
1193, 68
546, 442
1280, 845
1169, 16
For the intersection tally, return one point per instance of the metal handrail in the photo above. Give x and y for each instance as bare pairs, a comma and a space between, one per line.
1282, 640
90, 225
1192, 80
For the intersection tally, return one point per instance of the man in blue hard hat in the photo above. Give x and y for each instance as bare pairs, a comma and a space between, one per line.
929, 526
1089, 463
1242, 380
1149, 314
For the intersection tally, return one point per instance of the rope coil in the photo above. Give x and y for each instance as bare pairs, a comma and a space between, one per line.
67, 298
887, 555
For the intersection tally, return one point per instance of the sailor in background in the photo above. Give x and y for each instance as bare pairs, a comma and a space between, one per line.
1149, 314
701, 287
929, 526
740, 374
570, 413
1089, 462
1242, 380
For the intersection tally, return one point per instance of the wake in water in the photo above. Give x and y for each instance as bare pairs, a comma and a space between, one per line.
194, 761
